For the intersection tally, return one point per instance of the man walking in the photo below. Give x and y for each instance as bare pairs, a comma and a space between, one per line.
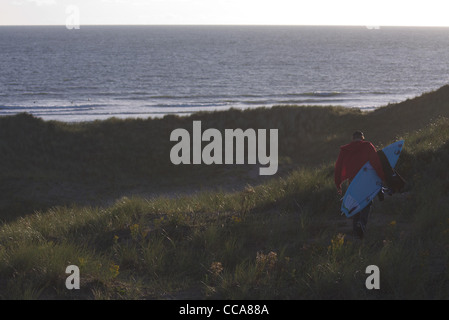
351, 158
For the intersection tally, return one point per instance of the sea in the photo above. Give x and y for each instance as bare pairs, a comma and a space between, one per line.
99, 72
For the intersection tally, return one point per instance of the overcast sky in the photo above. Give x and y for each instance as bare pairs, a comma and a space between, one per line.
265, 12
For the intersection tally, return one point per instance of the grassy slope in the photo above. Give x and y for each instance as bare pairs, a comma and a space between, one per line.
282, 238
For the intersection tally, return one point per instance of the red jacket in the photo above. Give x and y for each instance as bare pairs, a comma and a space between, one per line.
352, 157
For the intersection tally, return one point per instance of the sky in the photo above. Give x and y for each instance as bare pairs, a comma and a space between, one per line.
224, 12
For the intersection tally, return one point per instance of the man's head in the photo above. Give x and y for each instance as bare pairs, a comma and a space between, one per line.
358, 135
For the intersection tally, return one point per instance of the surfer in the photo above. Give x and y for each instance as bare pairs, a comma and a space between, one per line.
351, 158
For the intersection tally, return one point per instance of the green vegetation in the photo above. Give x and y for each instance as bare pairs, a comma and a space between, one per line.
105, 197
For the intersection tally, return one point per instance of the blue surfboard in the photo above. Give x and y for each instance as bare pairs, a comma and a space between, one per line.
367, 184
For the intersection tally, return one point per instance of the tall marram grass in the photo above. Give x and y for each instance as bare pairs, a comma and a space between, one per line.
279, 238
283, 239
168, 244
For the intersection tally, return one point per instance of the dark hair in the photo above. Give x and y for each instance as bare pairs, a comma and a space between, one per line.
358, 135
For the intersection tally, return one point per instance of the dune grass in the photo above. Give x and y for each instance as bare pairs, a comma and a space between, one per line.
278, 238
